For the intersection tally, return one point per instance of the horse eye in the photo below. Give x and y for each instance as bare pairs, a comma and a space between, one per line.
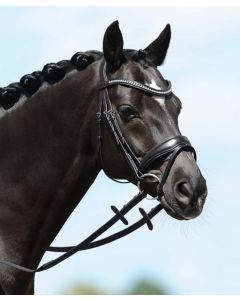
127, 112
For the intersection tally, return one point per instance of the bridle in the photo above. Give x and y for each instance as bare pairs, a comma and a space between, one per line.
160, 152
166, 151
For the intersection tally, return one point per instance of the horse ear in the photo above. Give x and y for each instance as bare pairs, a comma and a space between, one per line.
113, 46
157, 50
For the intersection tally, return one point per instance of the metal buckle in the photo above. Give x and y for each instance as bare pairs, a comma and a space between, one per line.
99, 118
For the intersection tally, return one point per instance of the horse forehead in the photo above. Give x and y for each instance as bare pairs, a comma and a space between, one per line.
153, 80
160, 100
149, 76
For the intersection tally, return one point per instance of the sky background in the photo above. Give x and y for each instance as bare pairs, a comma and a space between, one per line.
201, 256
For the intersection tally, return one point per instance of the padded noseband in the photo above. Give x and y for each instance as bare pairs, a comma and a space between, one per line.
163, 150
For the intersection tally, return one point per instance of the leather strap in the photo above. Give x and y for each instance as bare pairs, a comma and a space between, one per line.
161, 151
91, 241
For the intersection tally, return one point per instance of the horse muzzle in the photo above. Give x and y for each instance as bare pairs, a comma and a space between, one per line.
174, 179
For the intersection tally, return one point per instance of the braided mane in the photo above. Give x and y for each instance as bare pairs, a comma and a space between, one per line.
51, 73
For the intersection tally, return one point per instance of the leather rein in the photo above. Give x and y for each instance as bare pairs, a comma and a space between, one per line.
165, 151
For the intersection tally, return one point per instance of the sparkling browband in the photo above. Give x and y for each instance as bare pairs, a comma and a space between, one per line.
139, 86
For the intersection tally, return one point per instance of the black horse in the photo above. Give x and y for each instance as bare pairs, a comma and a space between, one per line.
50, 155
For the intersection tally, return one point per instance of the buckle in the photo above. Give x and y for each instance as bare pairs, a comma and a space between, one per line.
99, 118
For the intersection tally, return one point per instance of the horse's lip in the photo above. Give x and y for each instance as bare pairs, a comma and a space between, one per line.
171, 211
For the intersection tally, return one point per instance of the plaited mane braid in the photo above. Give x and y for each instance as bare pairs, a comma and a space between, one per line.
51, 73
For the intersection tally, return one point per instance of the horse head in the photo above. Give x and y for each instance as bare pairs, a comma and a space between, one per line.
147, 122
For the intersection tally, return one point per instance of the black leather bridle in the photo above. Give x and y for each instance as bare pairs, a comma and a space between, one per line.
165, 151
160, 152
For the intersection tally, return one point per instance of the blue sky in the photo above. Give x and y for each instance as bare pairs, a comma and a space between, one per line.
201, 256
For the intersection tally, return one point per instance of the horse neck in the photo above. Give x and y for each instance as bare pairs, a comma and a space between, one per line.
48, 161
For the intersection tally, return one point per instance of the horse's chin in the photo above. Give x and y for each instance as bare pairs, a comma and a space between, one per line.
175, 212
170, 211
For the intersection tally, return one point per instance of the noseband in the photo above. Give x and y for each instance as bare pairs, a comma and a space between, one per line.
166, 151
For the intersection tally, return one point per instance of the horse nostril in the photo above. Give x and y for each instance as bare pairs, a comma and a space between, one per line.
183, 193
183, 189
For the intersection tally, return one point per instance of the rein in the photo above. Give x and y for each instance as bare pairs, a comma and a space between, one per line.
168, 150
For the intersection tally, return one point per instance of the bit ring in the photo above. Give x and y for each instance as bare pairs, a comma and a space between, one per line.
144, 176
